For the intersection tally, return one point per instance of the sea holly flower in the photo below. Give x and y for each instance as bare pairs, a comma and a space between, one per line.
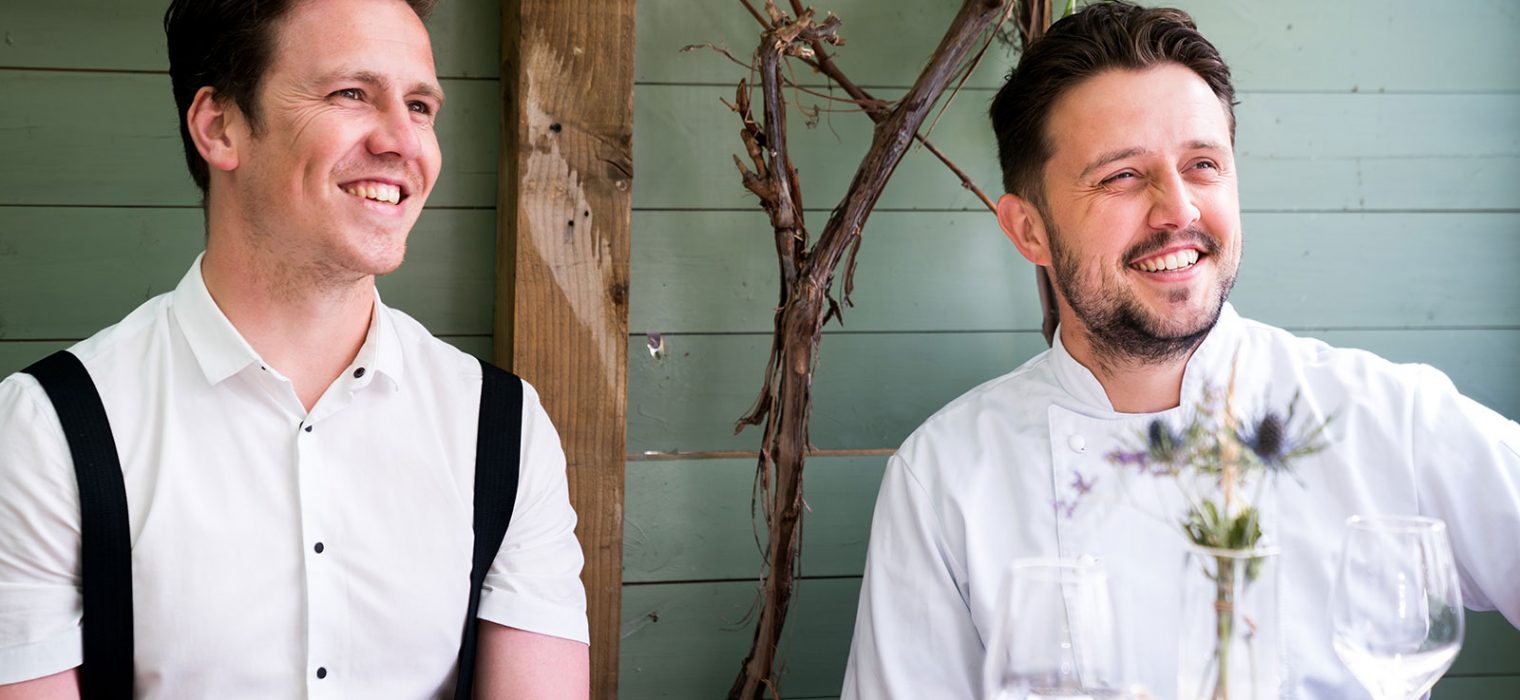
1274, 441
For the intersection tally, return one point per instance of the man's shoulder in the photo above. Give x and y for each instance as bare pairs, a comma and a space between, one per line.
1323, 366
121, 343
1001, 408
428, 352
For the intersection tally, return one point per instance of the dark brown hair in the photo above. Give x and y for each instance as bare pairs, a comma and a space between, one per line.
226, 44
1101, 37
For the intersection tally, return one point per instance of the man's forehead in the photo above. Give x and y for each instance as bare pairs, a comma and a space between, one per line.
327, 40
1124, 112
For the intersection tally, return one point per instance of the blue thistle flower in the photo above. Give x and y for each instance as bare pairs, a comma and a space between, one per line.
1164, 444
1268, 438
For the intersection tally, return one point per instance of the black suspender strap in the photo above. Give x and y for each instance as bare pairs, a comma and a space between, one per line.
105, 534
498, 443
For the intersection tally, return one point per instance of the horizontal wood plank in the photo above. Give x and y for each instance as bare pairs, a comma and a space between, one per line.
1295, 152
715, 272
686, 640
690, 520
68, 272
1306, 45
129, 35
61, 148
872, 389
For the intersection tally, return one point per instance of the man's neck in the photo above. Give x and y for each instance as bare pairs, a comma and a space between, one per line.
307, 330
1132, 386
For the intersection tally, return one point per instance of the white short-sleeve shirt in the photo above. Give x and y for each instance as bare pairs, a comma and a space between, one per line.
269, 542
1017, 468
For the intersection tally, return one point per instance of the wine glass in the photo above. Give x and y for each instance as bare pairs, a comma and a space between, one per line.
1396, 613
1053, 635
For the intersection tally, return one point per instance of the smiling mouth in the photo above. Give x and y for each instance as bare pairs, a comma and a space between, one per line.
376, 191
1171, 262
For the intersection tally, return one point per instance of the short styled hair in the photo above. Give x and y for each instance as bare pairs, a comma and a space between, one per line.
227, 45
1099, 38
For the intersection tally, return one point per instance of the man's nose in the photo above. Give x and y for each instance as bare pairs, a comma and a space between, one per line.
1172, 205
396, 133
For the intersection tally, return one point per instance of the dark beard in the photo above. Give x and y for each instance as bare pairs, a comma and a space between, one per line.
1118, 327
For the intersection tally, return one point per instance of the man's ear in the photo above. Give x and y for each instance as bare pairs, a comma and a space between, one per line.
216, 126
1022, 223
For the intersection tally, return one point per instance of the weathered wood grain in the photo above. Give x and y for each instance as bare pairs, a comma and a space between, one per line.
562, 261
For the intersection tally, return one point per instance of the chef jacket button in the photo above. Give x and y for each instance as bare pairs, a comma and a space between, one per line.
1077, 443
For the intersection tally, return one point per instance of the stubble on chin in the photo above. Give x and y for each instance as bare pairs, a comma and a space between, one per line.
1120, 329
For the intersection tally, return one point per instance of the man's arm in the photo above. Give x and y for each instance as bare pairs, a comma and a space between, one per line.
1467, 461
59, 686
511, 663
914, 636
40, 604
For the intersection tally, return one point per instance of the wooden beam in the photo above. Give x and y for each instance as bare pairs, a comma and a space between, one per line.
562, 261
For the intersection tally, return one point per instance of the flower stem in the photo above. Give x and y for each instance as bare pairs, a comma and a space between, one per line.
1224, 608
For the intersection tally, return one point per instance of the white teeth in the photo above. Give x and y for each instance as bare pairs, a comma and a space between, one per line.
1171, 261
379, 193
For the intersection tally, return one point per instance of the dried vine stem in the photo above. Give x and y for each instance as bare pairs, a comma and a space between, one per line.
807, 273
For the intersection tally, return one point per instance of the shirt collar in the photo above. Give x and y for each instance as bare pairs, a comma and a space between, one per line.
218, 347
1209, 365
221, 351
382, 350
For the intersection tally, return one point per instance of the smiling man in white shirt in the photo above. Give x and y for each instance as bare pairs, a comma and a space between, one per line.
298, 459
1116, 138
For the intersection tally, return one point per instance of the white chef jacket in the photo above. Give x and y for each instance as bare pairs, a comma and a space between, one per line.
990, 477
231, 485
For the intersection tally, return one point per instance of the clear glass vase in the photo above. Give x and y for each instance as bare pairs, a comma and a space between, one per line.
1231, 647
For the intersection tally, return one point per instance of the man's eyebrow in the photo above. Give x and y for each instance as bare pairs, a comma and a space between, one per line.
429, 90
1121, 154
1110, 157
382, 82
1202, 145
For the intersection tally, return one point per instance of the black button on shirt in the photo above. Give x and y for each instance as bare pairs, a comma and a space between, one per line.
319, 548
321, 672
358, 373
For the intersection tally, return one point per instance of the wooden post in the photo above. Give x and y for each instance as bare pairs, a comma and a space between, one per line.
564, 212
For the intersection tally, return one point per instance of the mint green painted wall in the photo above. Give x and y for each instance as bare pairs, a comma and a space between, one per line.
1379, 146
1375, 140
97, 211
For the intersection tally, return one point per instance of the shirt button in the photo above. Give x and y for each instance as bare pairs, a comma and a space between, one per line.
308, 428
321, 672
358, 373
1076, 442
319, 548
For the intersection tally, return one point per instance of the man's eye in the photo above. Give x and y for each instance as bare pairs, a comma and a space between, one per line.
350, 93
1209, 164
420, 107
1117, 177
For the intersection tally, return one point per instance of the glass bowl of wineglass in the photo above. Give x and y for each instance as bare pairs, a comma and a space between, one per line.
1396, 610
